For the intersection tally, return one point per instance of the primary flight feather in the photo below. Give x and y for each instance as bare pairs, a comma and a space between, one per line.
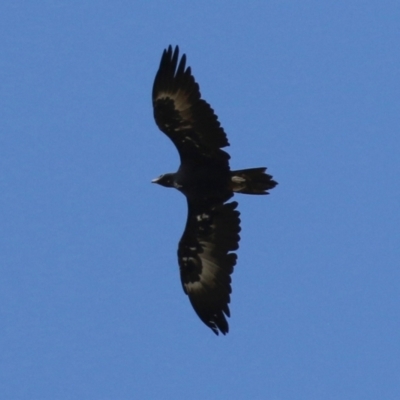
206, 255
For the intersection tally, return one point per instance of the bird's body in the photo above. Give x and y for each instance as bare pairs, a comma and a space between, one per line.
205, 251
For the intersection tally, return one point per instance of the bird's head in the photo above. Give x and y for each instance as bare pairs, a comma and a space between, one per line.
167, 180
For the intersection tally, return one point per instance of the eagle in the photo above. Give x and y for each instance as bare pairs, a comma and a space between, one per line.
206, 250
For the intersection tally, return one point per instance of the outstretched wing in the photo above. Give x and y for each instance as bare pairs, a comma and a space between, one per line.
183, 116
206, 261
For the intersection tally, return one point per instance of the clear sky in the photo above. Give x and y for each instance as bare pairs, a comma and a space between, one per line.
91, 305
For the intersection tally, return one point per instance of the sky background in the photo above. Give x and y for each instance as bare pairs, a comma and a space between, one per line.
91, 305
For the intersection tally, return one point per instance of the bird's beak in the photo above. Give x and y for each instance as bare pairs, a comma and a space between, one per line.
155, 180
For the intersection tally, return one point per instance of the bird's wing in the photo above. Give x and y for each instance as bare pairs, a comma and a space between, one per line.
183, 116
206, 261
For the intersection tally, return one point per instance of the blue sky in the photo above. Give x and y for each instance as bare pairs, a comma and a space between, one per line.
91, 305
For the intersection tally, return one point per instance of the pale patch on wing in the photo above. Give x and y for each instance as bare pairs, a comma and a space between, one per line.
188, 139
182, 104
181, 100
184, 129
209, 273
202, 217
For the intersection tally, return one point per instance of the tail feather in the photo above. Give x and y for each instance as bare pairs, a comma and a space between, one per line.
252, 181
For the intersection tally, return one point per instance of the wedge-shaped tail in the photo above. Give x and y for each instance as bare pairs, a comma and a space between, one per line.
252, 181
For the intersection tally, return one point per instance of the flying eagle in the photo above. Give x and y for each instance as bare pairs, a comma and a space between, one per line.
206, 250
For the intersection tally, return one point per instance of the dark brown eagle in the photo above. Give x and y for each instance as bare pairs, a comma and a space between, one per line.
206, 250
